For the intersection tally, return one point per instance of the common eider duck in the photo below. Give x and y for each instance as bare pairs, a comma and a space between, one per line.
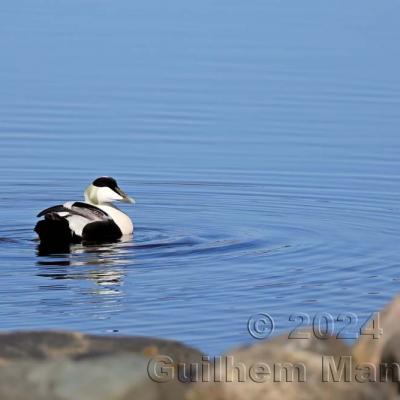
94, 220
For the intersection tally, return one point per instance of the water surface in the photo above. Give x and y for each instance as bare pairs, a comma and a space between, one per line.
260, 140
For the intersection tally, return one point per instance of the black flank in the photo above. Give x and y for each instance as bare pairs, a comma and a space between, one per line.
101, 231
54, 230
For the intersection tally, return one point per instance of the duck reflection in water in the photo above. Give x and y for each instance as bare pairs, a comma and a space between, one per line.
108, 260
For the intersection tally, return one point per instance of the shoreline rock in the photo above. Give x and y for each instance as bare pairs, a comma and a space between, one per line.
49, 365
70, 366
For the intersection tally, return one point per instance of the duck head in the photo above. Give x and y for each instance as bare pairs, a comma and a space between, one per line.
105, 190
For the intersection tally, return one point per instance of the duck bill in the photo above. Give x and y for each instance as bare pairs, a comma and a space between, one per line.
125, 197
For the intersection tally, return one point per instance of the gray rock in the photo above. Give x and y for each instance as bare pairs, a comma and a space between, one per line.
296, 372
369, 348
381, 346
110, 377
71, 366
53, 345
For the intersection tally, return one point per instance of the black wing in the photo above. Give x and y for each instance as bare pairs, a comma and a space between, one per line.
54, 209
93, 209
77, 208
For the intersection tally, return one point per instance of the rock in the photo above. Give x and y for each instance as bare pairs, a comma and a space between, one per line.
381, 347
303, 378
110, 377
52, 345
368, 348
71, 366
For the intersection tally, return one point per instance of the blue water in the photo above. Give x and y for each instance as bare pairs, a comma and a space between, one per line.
261, 141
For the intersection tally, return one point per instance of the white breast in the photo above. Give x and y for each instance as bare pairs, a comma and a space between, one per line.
120, 218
